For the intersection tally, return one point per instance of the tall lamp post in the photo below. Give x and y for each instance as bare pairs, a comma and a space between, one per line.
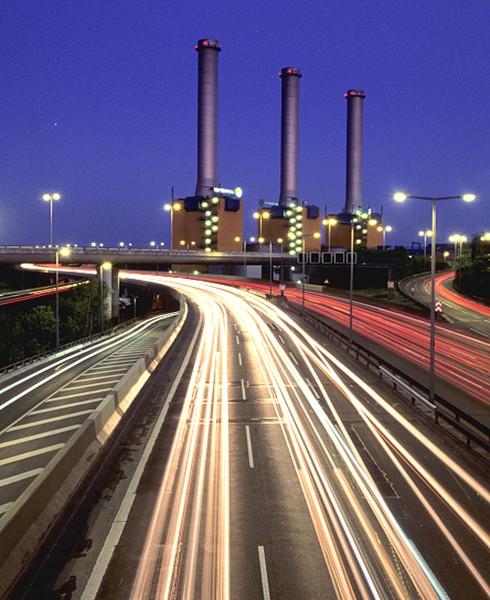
400, 197
264, 214
425, 235
49, 198
384, 231
461, 239
353, 225
58, 252
303, 239
330, 222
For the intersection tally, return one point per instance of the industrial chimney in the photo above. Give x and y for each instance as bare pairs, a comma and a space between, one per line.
289, 135
207, 117
353, 187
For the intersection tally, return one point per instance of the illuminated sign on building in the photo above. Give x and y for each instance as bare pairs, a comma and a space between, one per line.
237, 192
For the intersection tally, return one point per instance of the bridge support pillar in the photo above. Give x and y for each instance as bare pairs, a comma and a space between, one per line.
108, 276
115, 294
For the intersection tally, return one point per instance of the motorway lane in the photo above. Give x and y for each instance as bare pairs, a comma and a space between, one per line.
290, 478
43, 407
464, 312
462, 357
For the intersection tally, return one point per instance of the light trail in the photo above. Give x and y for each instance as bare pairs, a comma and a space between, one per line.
367, 553
64, 364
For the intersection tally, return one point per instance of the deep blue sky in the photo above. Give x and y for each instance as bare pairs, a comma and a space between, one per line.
98, 102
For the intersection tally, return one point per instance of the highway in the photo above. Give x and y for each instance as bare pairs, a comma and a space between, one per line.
401, 338
465, 312
43, 405
273, 468
35, 293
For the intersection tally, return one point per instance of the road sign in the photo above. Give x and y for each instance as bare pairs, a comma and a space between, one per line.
390, 285
438, 306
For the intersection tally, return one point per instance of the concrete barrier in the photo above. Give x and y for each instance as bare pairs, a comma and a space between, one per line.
28, 521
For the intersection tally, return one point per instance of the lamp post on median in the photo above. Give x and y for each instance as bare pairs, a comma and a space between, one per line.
58, 252
400, 197
330, 222
384, 231
50, 198
425, 235
261, 215
303, 240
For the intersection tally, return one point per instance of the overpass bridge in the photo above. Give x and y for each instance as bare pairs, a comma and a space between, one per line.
139, 256
109, 260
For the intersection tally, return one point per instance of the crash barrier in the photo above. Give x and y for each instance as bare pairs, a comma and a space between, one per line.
472, 430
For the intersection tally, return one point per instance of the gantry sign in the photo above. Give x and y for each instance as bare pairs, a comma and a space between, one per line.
326, 258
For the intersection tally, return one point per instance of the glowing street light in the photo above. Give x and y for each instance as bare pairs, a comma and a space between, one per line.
58, 252
400, 197
458, 239
264, 214
384, 230
316, 235
50, 198
330, 222
425, 235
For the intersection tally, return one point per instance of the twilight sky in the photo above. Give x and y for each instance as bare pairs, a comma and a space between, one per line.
98, 101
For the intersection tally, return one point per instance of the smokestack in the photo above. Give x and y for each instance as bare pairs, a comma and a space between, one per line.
353, 184
207, 117
289, 135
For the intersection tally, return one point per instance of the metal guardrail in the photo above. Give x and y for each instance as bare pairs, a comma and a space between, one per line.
473, 430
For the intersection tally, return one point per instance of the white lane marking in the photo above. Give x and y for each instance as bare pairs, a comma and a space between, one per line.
82, 385
249, 447
281, 338
292, 356
263, 573
57, 399
90, 377
237, 340
51, 420
37, 436
12, 459
312, 388
4, 507
244, 394
78, 394
240, 359
41, 411
20, 477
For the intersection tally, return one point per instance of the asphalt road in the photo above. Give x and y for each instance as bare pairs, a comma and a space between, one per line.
262, 464
458, 309
44, 404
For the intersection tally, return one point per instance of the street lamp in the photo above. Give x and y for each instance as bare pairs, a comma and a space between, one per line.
187, 245
400, 197
461, 239
303, 240
425, 235
49, 198
58, 252
330, 222
384, 230
264, 214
